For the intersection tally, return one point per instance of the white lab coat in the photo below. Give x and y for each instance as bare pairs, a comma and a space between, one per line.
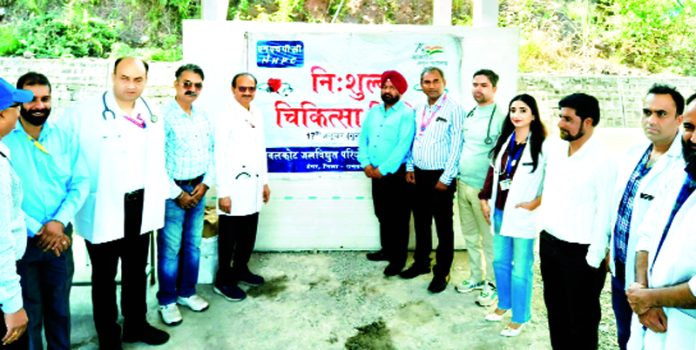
653, 184
676, 264
101, 219
240, 159
525, 186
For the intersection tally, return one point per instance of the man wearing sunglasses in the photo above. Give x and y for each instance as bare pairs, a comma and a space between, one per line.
189, 161
242, 187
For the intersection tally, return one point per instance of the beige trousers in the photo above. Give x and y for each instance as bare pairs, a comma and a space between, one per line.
476, 232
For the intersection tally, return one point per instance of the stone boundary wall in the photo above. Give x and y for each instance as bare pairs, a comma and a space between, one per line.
620, 96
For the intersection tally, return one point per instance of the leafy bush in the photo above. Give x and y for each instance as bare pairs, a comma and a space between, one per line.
8, 41
74, 35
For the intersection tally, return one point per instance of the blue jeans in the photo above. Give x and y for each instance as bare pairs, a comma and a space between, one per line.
178, 251
512, 263
46, 281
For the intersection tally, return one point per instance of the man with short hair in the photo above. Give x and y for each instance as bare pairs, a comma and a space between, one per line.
56, 184
122, 138
663, 298
384, 144
189, 162
242, 188
642, 175
574, 217
481, 129
432, 167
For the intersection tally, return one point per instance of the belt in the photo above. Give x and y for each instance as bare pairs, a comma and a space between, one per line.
134, 195
191, 182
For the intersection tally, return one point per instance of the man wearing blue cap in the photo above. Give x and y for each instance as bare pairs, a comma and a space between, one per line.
12, 235
384, 144
55, 182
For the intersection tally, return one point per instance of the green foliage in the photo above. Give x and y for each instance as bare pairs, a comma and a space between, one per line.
76, 34
8, 41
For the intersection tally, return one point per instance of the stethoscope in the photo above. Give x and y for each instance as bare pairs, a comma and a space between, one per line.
488, 140
107, 110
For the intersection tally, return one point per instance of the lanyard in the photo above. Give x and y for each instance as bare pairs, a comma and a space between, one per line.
38, 144
686, 190
425, 124
513, 158
138, 121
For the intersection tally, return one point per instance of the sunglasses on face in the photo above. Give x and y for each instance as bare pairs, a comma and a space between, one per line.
189, 84
247, 88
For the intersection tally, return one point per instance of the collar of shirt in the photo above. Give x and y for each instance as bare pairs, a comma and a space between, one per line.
46, 130
394, 108
172, 108
4, 149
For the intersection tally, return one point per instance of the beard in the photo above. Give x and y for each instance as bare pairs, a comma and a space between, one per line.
36, 117
390, 99
565, 135
689, 153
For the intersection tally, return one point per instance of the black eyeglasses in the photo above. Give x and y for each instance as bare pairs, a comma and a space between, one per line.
247, 88
189, 84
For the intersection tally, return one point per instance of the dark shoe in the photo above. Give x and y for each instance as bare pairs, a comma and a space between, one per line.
414, 271
251, 279
393, 270
438, 284
146, 334
230, 292
377, 256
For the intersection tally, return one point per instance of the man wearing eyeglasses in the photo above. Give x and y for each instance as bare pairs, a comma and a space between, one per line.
56, 184
242, 187
189, 161
643, 175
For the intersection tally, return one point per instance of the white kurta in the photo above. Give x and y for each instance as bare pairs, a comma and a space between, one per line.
675, 264
240, 159
650, 187
525, 186
121, 158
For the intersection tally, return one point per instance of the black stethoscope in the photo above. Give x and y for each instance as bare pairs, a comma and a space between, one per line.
488, 140
107, 110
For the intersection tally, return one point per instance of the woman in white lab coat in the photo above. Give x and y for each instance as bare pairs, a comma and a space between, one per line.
242, 187
513, 189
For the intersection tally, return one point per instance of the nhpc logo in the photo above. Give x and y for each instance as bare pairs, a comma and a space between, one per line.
424, 51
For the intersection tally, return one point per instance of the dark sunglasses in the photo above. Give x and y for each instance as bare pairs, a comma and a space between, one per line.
247, 88
188, 84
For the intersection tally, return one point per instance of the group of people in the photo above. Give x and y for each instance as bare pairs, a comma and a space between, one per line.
593, 211
120, 168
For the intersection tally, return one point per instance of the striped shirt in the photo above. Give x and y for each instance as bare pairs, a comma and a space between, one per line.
188, 145
439, 138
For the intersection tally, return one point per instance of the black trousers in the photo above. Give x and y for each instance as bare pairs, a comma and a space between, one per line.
236, 239
20, 344
391, 198
431, 203
571, 293
132, 250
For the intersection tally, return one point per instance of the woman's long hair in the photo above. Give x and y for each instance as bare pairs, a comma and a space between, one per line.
536, 128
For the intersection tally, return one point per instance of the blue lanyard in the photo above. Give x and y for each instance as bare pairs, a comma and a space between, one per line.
512, 158
686, 190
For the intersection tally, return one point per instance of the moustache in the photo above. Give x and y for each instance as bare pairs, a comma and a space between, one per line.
190, 93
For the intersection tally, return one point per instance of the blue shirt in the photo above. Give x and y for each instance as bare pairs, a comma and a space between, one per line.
53, 172
13, 238
439, 138
623, 218
386, 137
188, 145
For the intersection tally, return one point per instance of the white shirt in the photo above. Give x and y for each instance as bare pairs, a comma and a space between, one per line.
240, 159
577, 191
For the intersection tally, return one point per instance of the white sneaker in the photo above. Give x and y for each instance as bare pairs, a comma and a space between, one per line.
512, 332
193, 302
468, 286
170, 314
488, 295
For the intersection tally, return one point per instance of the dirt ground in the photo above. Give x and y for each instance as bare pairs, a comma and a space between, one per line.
339, 300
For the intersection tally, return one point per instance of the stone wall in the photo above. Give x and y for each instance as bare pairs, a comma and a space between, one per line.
620, 97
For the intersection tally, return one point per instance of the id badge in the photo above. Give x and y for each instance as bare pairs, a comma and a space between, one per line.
505, 184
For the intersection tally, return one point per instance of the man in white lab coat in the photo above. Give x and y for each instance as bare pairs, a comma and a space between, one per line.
663, 298
242, 187
122, 138
641, 176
